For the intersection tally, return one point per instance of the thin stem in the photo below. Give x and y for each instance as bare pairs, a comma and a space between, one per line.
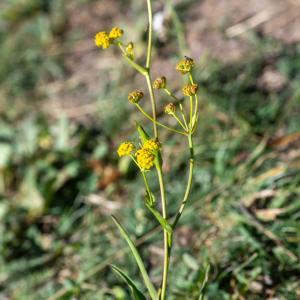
181, 124
196, 97
167, 243
171, 94
189, 184
136, 66
153, 103
147, 187
158, 123
122, 48
191, 112
181, 111
183, 115
150, 29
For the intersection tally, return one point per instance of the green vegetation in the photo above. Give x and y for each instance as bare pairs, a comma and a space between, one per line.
60, 179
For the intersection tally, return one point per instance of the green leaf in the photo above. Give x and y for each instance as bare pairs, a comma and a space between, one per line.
142, 133
163, 222
138, 259
136, 293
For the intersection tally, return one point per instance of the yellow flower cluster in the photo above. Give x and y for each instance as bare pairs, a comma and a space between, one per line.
152, 145
185, 65
126, 148
190, 89
145, 159
116, 33
104, 39
135, 96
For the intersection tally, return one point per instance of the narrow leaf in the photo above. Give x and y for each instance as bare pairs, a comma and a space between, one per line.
142, 133
136, 293
163, 222
138, 259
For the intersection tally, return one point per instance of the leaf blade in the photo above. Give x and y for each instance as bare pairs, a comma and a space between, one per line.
163, 222
137, 294
138, 260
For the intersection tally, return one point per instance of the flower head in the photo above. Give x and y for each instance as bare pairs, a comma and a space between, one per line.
102, 40
126, 148
160, 83
152, 145
185, 65
145, 159
116, 33
135, 96
190, 89
170, 109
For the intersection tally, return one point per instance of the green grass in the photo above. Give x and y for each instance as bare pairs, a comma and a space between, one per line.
243, 215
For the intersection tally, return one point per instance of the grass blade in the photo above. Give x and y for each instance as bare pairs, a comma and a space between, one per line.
138, 259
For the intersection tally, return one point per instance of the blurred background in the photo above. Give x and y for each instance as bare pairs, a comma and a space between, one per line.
64, 110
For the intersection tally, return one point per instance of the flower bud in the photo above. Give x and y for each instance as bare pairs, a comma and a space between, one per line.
160, 83
170, 109
129, 50
135, 96
190, 89
185, 65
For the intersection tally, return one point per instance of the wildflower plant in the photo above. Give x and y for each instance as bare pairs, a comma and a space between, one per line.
148, 156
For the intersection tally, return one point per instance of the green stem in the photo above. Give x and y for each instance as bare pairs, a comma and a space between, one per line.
183, 115
189, 184
167, 238
153, 103
191, 113
171, 94
136, 66
150, 29
196, 97
147, 187
181, 124
156, 122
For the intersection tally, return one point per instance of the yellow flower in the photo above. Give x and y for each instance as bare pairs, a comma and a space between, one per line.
160, 83
102, 40
145, 159
190, 89
135, 96
116, 33
185, 65
152, 145
126, 148
170, 109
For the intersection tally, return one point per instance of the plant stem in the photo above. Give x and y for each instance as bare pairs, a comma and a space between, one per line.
150, 29
181, 124
153, 103
189, 184
171, 94
191, 112
158, 123
167, 243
